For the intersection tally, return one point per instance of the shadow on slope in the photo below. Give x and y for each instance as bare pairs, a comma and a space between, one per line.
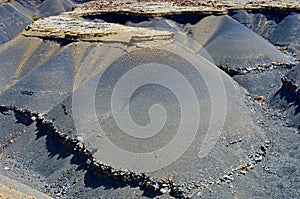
42, 151
288, 96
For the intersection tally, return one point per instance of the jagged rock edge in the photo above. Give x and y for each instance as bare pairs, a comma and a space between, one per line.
231, 71
156, 186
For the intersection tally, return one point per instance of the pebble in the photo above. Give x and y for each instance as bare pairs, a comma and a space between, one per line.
58, 194
258, 159
6, 169
243, 172
164, 190
80, 145
227, 178
200, 194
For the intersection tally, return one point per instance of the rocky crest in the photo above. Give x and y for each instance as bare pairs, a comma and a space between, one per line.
77, 29
168, 7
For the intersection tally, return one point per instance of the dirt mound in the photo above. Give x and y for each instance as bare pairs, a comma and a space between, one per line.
110, 103
233, 47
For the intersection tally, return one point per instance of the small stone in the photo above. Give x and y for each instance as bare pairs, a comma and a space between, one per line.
164, 190
258, 159
243, 172
80, 145
245, 168
170, 177
259, 98
200, 194
6, 169
58, 194
263, 149
228, 178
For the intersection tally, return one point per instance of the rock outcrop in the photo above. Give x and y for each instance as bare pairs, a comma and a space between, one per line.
78, 29
168, 7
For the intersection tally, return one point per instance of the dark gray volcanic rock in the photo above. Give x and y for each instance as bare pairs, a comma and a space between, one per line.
54, 7
38, 158
233, 47
256, 22
287, 34
12, 22
37, 91
157, 23
288, 97
139, 112
52, 100
280, 28
262, 83
46, 7
263, 23
54, 94
21, 56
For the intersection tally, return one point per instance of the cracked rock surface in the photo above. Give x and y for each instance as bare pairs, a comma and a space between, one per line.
73, 29
167, 7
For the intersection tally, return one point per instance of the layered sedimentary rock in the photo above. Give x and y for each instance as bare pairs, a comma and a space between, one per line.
75, 29
168, 7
